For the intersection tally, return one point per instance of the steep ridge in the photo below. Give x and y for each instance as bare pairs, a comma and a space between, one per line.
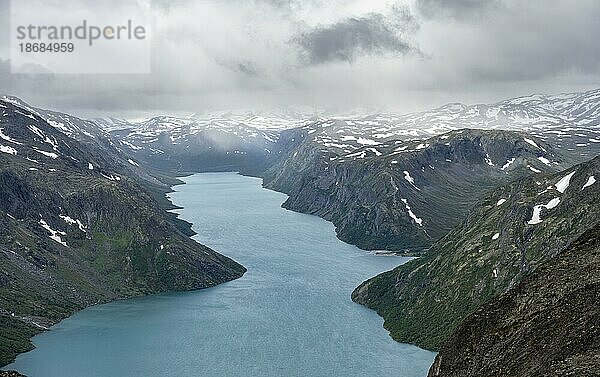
510, 233
114, 152
96, 140
548, 325
403, 195
76, 230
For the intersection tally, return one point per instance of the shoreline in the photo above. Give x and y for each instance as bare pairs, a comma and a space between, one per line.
37, 329
172, 207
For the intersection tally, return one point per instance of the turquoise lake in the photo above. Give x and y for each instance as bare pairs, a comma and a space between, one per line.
290, 315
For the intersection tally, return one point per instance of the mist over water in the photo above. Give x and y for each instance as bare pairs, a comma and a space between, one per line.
290, 315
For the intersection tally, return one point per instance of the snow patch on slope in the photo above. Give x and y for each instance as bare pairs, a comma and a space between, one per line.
72, 221
47, 154
591, 180
416, 219
410, 179
508, 163
7, 138
8, 150
54, 234
537, 211
563, 184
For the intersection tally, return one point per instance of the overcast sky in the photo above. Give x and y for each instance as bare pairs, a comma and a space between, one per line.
337, 55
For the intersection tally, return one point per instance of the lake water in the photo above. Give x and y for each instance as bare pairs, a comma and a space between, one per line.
290, 315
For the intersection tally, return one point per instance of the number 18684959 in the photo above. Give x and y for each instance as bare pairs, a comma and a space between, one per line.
46, 47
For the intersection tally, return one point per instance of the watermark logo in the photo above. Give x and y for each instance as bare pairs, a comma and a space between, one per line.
81, 37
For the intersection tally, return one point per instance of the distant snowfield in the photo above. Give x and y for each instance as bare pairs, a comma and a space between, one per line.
566, 118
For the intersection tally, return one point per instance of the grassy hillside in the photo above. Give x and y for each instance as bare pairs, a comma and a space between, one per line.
499, 243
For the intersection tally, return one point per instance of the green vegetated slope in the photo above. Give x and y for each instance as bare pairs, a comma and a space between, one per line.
505, 237
405, 195
76, 230
548, 325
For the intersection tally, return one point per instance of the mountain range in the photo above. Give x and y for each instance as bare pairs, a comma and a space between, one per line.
542, 133
485, 195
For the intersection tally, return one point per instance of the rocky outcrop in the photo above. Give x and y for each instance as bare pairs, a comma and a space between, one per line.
548, 325
10, 373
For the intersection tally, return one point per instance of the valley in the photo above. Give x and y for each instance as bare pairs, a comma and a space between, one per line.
358, 171
289, 314
485, 195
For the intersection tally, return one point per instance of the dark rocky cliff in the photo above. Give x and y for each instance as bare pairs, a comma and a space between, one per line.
548, 325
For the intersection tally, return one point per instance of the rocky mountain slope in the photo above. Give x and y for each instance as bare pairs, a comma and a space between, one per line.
77, 229
404, 195
545, 326
10, 373
504, 238
96, 140
365, 173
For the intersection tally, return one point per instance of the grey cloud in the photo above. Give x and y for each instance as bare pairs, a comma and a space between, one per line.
346, 40
247, 68
458, 9
224, 54
529, 42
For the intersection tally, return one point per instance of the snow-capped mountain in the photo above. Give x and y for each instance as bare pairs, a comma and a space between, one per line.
74, 127
183, 130
27, 136
570, 122
89, 133
223, 142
